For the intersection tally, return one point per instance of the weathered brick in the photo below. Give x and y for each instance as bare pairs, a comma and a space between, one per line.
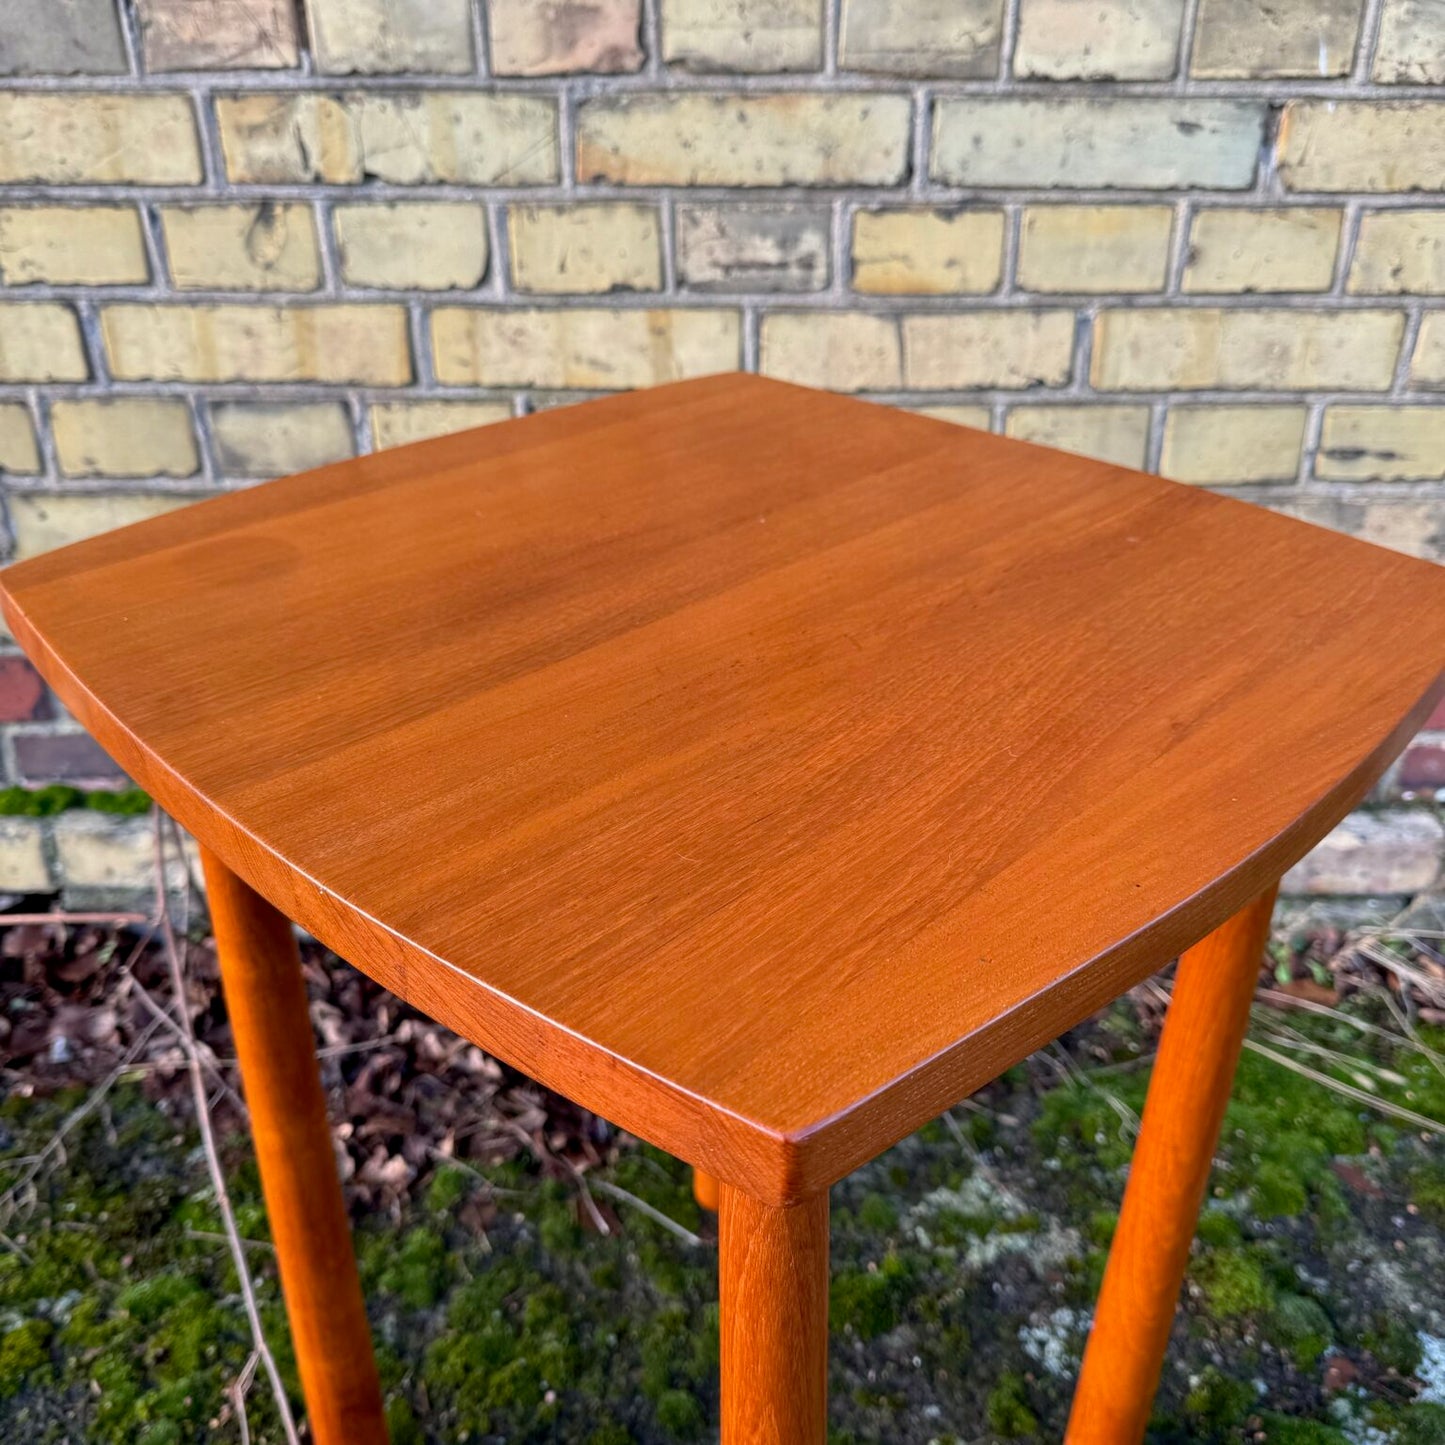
1427, 365
273, 439
1244, 38
431, 245
927, 252
590, 248
1341, 145
23, 868
747, 35
41, 522
1236, 251
1120, 143
1400, 253
753, 247
405, 138
395, 423
1159, 350
744, 140
72, 246
387, 37
1422, 768
1094, 248
1118, 434
1013, 349
19, 451
219, 35
103, 858
1411, 47
71, 138
1232, 443
40, 341
60, 37
128, 436
1382, 444
946, 39
63, 758
1393, 852
266, 247
336, 343
1404, 524
23, 697
840, 350
581, 347
562, 37
1082, 40
977, 417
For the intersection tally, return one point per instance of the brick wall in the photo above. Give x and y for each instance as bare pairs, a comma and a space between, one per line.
242, 237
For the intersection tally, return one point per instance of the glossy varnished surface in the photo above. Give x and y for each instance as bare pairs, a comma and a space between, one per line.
765, 769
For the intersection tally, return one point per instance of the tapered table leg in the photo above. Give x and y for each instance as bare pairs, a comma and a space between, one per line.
705, 1190
266, 999
1198, 1051
773, 1276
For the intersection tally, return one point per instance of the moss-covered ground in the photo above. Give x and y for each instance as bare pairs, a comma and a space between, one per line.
965, 1262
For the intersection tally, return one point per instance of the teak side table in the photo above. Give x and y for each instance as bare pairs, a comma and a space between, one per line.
733, 758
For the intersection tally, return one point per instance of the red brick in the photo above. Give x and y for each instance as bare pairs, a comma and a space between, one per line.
1423, 766
22, 694
64, 758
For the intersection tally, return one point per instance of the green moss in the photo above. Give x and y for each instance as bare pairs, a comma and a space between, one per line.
447, 1189
1234, 1282
1302, 1326
25, 1356
56, 798
1008, 1409
1284, 1430
878, 1213
1217, 1402
870, 1301
681, 1414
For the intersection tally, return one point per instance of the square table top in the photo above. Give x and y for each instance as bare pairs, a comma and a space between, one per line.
762, 768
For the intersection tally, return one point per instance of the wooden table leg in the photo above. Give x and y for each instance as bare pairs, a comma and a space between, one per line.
705, 1190
266, 998
1203, 1032
773, 1276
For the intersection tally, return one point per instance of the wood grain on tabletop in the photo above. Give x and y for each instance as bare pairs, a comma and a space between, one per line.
764, 769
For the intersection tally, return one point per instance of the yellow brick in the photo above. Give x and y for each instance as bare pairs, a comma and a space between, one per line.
1281, 250
405, 138
744, 140
1125, 40
579, 347
560, 37
364, 344
1411, 48
219, 35
1427, 366
1118, 434
272, 439
1094, 248
977, 417
931, 39
40, 341
72, 246
42, 522
429, 245
267, 247
390, 36
746, 35
839, 351
1232, 443
74, 138
19, 452
1247, 349
124, 437
395, 423
927, 253
1400, 253
1382, 444
1340, 145
1244, 38
988, 348
572, 249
